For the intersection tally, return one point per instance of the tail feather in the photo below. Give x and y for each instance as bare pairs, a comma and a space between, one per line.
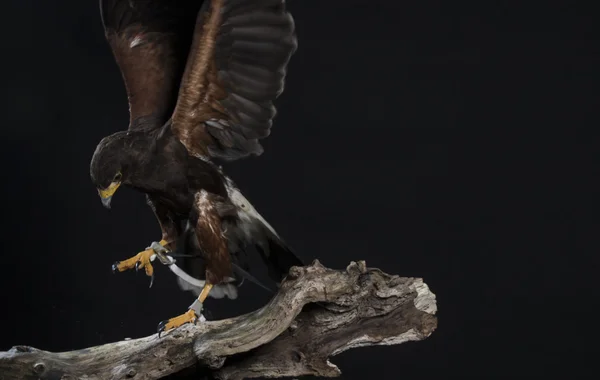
278, 257
245, 275
244, 227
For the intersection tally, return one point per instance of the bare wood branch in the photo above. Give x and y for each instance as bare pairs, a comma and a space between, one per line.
317, 313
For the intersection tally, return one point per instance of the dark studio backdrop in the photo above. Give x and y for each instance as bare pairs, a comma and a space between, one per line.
431, 139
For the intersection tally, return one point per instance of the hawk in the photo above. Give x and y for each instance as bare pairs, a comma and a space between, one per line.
201, 79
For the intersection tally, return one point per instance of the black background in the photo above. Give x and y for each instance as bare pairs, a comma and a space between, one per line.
432, 139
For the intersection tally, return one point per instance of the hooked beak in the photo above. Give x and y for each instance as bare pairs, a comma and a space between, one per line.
107, 194
106, 201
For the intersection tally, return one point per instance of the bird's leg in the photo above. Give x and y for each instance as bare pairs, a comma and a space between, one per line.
170, 233
194, 312
218, 261
143, 259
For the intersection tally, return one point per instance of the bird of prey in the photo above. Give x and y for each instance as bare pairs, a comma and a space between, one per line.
201, 78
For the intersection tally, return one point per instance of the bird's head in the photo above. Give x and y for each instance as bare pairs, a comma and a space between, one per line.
109, 166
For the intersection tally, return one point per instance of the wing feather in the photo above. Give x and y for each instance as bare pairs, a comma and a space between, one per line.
150, 41
236, 69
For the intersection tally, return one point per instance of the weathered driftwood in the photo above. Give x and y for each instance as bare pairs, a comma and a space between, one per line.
317, 313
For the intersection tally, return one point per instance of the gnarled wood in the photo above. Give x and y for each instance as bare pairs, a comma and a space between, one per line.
317, 313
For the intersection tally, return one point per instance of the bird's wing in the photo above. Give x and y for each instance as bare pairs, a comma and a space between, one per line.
150, 41
235, 70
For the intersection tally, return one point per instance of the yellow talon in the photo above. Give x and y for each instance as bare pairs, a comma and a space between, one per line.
141, 260
187, 317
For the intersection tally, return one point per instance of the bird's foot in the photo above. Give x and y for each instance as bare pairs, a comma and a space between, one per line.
142, 260
191, 316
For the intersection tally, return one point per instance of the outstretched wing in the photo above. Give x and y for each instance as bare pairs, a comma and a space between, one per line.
150, 41
235, 70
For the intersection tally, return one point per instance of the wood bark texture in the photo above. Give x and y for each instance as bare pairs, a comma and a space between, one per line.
317, 313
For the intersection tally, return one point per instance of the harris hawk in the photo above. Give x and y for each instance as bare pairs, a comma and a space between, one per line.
201, 78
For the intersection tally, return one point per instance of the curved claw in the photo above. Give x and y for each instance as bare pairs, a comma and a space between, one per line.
187, 317
141, 260
161, 327
151, 280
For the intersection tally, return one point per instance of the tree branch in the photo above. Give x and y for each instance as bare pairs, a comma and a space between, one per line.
317, 313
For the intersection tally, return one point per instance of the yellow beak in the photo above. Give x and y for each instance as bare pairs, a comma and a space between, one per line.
106, 194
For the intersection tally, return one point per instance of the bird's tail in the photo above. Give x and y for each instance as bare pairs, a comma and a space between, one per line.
248, 228
278, 256
275, 252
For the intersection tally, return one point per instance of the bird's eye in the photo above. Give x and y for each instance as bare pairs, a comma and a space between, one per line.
118, 176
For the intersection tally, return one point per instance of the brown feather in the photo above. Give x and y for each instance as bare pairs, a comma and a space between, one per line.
200, 85
225, 100
150, 41
148, 94
211, 238
168, 226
